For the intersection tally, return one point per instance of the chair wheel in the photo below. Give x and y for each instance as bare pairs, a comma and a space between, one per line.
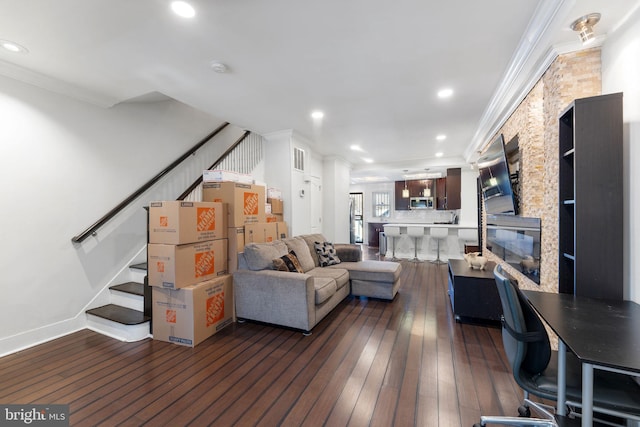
524, 411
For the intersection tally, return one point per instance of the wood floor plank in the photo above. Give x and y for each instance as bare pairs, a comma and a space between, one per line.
368, 363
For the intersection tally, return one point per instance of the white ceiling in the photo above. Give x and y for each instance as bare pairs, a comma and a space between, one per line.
373, 67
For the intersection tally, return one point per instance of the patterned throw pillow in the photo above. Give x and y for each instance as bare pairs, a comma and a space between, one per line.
288, 262
326, 254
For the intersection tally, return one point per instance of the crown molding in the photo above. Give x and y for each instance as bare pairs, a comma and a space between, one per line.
524, 70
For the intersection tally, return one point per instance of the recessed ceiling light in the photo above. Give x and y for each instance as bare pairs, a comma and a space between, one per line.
445, 93
355, 147
13, 47
439, 154
219, 67
441, 137
367, 160
183, 9
317, 115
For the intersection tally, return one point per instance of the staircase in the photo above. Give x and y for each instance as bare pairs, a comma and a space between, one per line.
123, 318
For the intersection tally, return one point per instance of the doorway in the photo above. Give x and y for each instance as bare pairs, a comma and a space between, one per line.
356, 221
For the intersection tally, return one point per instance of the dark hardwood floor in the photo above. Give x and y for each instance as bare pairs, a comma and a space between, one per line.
370, 362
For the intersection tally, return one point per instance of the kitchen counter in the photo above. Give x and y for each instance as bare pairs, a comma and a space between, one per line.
451, 247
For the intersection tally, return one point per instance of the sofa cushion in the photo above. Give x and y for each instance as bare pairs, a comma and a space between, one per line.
288, 262
260, 256
311, 240
326, 254
372, 270
325, 287
340, 275
299, 246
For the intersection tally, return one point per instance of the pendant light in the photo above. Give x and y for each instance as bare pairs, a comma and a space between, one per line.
405, 192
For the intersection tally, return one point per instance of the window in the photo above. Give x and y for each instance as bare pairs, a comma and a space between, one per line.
381, 204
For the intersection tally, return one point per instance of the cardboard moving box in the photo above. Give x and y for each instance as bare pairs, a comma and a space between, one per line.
236, 245
262, 232
246, 202
178, 222
190, 315
178, 266
282, 230
277, 206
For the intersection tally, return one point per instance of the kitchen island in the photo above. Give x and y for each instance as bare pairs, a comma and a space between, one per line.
451, 248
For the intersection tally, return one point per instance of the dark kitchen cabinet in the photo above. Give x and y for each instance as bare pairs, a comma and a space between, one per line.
441, 193
416, 188
454, 182
401, 203
373, 230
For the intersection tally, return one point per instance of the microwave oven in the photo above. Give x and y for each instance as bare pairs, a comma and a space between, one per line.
421, 203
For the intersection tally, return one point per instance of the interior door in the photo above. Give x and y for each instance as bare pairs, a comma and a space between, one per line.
315, 200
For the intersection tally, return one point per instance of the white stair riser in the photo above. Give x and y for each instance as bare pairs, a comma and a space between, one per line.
127, 333
124, 299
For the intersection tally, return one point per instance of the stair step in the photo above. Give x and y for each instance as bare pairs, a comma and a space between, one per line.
134, 288
119, 314
139, 266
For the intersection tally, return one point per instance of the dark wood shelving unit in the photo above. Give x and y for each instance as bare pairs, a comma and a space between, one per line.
590, 184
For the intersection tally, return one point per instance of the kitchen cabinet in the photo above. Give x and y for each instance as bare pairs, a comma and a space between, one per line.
441, 193
454, 182
373, 231
416, 187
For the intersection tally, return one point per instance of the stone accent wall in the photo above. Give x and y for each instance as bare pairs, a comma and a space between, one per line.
535, 121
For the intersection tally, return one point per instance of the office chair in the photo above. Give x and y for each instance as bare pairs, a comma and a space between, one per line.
535, 366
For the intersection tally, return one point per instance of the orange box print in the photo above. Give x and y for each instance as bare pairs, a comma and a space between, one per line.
251, 203
160, 267
170, 316
204, 263
164, 221
215, 309
206, 219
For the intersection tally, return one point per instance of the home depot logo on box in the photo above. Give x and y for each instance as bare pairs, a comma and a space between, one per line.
206, 219
164, 221
215, 309
160, 267
251, 203
170, 316
205, 263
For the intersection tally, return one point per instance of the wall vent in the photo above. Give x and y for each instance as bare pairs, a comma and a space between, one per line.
298, 159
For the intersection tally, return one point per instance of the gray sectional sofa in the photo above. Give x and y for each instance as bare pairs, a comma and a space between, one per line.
301, 299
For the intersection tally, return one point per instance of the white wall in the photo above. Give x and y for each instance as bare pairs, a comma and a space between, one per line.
337, 175
64, 164
620, 71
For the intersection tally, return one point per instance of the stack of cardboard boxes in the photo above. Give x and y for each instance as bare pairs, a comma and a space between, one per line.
248, 220
192, 290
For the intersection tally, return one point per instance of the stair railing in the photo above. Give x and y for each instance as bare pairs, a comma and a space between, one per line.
198, 181
92, 230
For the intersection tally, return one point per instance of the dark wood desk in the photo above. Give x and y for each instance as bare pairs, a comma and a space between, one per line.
603, 334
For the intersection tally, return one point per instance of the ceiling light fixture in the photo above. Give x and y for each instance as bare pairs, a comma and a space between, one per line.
445, 93
317, 115
13, 47
355, 147
218, 67
405, 191
367, 160
439, 154
584, 26
441, 137
183, 9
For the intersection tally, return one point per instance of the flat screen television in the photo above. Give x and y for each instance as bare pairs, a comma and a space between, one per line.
495, 180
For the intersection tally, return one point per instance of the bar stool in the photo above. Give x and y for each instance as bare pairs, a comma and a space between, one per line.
393, 232
439, 234
416, 233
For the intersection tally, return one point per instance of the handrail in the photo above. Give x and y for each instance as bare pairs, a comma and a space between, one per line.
220, 159
91, 230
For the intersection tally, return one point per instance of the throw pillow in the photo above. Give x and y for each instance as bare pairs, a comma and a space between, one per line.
326, 254
288, 262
